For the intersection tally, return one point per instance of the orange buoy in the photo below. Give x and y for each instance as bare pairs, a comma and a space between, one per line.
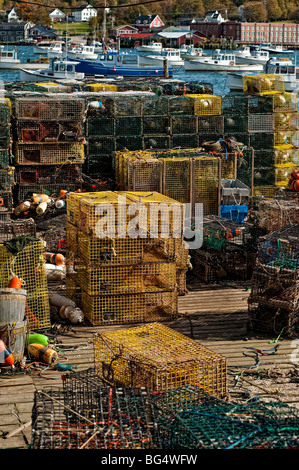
295, 175
6, 356
54, 258
42, 353
15, 283
295, 185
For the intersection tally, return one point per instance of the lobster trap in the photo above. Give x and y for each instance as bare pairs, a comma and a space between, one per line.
266, 318
261, 123
50, 108
49, 153
52, 131
129, 308
181, 105
184, 125
159, 358
286, 121
223, 234
283, 155
25, 191
117, 280
26, 261
155, 142
210, 265
65, 174
16, 228
208, 125
100, 126
287, 138
100, 146
263, 83
206, 104
93, 418
4, 158
155, 125
155, 106
207, 176
6, 201
7, 178
127, 105
128, 126
235, 104
177, 178
275, 213
280, 248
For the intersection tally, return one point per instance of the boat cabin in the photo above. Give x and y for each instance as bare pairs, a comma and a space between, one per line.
118, 59
281, 67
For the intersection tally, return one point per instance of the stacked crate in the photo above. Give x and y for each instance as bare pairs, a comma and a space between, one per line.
273, 301
49, 143
6, 170
26, 260
266, 118
158, 358
120, 275
189, 176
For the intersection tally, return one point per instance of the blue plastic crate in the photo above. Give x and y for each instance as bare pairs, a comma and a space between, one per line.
236, 213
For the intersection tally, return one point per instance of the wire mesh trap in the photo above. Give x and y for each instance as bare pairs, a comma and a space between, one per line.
156, 357
93, 418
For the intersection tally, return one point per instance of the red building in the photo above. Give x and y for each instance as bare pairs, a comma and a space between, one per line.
250, 33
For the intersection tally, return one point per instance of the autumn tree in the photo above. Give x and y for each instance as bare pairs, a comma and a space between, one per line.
273, 10
254, 11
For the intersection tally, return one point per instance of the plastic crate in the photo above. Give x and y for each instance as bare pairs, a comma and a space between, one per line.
234, 212
234, 192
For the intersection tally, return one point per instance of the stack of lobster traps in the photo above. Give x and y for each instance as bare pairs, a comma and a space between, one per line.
273, 302
265, 118
6, 169
227, 251
48, 143
119, 272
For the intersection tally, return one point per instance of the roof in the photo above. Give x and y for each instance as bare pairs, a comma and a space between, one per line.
136, 35
148, 18
173, 34
82, 7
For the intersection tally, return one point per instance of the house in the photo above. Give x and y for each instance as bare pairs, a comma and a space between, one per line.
57, 15
123, 30
41, 32
214, 16
84, 13
148, 22
15, 32
11, 15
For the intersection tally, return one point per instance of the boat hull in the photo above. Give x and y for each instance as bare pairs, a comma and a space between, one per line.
41, 76
235, 82
251, 60
95, 68
148, 61
195, 65
21, 65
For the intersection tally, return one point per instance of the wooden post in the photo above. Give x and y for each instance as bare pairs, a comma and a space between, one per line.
165, 64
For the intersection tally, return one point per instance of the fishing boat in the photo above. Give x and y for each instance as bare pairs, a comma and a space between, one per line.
56, 48
119, 64
283, 67
274, 49
173, 57
9, 61
219, 62
60, 69
192, 53
257, 56
98, 46
151, 47
82, 52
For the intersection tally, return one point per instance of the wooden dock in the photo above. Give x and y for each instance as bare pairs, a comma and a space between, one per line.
214, 316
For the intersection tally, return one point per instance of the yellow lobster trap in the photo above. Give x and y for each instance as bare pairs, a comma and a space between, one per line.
159, 358
263, 83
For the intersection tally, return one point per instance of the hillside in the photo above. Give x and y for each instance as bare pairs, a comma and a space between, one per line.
170, 10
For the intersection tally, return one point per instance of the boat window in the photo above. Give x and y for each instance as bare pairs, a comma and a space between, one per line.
291, 69
69, 68
130, 59
102, 57
109, 57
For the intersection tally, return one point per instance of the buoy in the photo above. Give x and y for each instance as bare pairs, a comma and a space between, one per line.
42, 353
59, 204
15, 283
37, 338
6, 356
23, 207
54, 258
74, 315
60, 300
41, 208
38, 198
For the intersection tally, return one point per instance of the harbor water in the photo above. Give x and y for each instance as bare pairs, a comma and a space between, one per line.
217, 79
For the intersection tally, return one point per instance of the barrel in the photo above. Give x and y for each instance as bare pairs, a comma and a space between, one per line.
13, 334
12, 304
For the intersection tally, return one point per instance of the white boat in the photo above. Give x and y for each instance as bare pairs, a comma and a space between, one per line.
98, 46
274, 49
9, 61
242, 52
192, 53
257, 56
83, 52
285, 68
60, 70
151, 47
172, 55
56, 50
54, 47
219, 62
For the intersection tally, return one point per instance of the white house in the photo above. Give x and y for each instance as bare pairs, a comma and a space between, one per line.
84, 13
11, 15
57, 15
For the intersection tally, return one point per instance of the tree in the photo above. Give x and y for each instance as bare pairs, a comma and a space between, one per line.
273, 10
254, 11
295, 15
